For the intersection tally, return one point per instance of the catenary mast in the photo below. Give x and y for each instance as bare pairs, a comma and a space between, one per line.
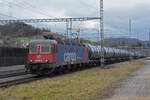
102, 32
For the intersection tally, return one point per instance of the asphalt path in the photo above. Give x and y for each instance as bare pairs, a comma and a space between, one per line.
12, 68
136, 87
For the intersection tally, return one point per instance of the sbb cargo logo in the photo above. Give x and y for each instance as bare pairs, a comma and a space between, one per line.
69, 57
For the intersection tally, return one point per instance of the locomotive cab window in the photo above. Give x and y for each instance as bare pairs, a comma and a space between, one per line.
32, 49
45, 49
52, 48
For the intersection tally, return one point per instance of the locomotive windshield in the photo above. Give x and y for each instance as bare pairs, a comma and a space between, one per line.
33, 49
45, 49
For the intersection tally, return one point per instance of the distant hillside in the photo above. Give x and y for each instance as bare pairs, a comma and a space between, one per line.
122, 40
125, 41
15, 34
19, 30
63, 39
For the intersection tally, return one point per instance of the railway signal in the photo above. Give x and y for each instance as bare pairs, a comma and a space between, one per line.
78, 30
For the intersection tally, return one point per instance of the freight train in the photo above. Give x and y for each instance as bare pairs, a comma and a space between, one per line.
47, 56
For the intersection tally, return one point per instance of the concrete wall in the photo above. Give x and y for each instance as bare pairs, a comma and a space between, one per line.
12, 56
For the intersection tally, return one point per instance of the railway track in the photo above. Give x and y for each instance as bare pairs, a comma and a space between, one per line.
8, 83
19, 81
13, 74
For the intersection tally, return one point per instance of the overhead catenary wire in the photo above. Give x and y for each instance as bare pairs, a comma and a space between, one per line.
24, 6
33, 6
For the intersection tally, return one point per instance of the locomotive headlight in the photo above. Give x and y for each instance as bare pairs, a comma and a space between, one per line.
46, 60
30, 60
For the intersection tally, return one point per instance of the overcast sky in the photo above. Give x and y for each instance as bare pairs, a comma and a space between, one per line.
116, 14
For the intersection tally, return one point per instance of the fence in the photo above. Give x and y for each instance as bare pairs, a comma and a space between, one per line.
12, 56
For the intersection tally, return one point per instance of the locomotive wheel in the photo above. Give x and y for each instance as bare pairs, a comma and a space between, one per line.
33, 71
59, 70
46, 71
75, 67
65, 69
49, 71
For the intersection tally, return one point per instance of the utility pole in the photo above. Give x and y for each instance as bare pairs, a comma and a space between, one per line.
149, 35
138, 36
69, 29
78, 35
137, 49
101, 33
129, 41
149, 40
67, 26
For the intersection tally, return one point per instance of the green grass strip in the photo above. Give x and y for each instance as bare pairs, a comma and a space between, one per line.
91, 84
